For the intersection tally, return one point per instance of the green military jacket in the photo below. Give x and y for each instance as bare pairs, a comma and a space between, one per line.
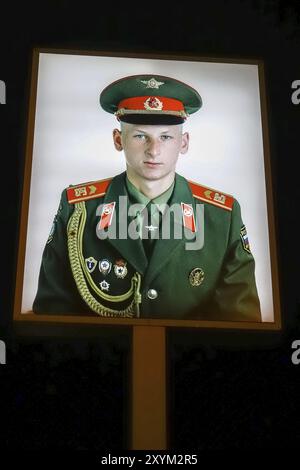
83, 273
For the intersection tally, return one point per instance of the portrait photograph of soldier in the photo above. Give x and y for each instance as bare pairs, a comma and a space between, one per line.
147, 191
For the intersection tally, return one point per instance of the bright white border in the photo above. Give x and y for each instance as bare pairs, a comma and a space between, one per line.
73, 144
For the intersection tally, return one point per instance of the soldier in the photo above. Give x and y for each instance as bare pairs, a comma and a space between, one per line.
117, 249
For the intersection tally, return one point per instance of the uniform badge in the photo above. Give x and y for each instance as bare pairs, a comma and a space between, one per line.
151, 228
104, 285
106, 215
104, 266
91, 263
245, 241
153, 104
188, 216
152, 83
196, 277
120, 268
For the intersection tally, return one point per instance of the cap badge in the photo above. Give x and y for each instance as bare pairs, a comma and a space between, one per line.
152, 83
153, 104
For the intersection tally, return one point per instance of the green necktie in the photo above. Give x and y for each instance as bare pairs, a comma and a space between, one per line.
150, 228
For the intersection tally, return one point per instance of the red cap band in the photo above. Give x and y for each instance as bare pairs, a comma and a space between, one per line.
152, 103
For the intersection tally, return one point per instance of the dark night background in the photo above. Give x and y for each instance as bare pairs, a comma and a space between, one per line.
71, 393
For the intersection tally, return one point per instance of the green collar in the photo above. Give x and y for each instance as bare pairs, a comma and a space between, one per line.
136, 196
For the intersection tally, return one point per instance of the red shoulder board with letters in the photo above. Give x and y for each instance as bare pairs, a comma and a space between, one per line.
212, 196
86, 191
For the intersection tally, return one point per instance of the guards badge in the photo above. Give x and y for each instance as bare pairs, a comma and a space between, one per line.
120, 268
244, 238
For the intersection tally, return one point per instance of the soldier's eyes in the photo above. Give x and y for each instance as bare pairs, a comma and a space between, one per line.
139, 136
145, 137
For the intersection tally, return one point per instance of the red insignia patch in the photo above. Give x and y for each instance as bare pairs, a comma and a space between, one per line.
107, 215
188, 216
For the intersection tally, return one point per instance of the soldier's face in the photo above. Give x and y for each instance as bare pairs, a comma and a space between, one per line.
151, 152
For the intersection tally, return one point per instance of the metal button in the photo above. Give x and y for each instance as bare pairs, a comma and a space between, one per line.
152, 294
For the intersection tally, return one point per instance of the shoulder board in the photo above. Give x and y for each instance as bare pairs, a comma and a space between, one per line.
212, 196
86, 191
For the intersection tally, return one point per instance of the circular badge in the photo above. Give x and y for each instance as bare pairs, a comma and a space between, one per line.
120, 268
196, 277
104, 266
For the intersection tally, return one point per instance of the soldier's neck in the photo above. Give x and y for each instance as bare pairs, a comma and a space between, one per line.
151, 188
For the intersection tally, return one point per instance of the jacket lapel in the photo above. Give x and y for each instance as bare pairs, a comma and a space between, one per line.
131, 250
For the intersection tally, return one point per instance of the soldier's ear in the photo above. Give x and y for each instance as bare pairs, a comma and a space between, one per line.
117, 138
185, 143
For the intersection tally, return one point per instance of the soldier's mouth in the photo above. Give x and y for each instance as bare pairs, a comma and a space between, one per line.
152, 164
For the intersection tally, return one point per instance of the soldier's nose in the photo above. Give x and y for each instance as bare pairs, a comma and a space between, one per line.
153, 148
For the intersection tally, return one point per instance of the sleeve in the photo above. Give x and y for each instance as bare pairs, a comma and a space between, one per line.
57, 292
236, 294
